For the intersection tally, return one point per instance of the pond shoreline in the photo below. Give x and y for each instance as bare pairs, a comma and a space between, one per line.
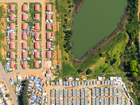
121, 26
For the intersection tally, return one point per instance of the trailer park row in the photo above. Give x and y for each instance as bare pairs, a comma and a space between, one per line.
30, 35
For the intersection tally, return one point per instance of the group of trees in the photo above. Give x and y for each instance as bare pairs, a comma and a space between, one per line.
67, 38
25, 84
88, 71
133, 67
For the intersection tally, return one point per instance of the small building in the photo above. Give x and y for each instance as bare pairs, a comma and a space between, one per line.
37, 16
12, 26
24, 17
24, 64
48, 7
12, 36
24, 36
24, 54
12, 45
24, 26
48, 45
48, 54
24, 7
36, 26
12, 17
36, 45
48, 35
36, 7
37, 54
36, 36
12, 7
24, 45
48, 26
48, 16
12, 64
48, 73
36, 64
12, 54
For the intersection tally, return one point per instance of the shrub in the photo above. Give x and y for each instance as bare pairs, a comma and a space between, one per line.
89, 71
80, 70
134, 74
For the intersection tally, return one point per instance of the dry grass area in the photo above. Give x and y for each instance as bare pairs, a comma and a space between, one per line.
3, 25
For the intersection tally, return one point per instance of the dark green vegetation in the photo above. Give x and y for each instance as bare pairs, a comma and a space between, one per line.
67, 38
23, 99
90, 28
133, 68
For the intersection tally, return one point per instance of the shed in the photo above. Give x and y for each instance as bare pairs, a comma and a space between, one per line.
48, 45
37, 16
37, 54
49, 72
48, 54
24, 54
24, 7
24, 36
12, 7
12, 17
48, 7
48, 16
24, 26
36, 64
24, 45
12, 64
48, 26
12, 54
12, 26
12, 45
12, 36
36, 26
36, 7
24, 16
36, 45
48, 35
24, 64
36, 36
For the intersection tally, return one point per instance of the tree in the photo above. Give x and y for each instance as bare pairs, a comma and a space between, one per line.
133, 66
134, 74
89, 71
80, 70
67, 58
106, 69
7, 95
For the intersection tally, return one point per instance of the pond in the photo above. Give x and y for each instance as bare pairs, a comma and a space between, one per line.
95, 20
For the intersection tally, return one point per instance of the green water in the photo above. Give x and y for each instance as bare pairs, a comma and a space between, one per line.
95, 20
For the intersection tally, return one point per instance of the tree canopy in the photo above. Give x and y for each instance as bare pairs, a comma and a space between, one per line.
134, 74
133, 66
88, 71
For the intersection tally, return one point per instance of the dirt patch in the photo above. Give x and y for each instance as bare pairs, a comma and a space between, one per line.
84, 77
